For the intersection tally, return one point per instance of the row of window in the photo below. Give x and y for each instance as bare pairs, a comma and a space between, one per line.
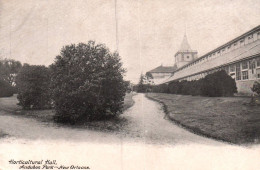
250, 38
241, 69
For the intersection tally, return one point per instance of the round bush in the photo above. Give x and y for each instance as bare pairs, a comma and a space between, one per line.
87, 83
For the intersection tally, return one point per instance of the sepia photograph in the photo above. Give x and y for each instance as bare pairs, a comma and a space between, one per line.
130, 84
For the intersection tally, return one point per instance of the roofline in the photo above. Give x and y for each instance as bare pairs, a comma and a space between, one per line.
223, 65
151, 71
220, 47
159, 72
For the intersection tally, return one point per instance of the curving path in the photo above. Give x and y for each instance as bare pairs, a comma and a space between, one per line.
145, 123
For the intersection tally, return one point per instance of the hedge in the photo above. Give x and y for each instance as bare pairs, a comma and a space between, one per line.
212, 85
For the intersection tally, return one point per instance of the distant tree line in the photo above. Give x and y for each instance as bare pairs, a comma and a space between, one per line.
9, 69
212, 85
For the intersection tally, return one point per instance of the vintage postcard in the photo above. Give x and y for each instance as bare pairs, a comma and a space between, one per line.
130, 84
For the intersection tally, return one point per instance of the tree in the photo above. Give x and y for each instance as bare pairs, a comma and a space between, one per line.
6, 90
87, 83
141, 87
33, 87
9, 69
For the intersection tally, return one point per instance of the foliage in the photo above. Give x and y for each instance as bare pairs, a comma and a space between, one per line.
6, 90
33, 87
128, 86
216, 84
9, 69
256, 87
143, 86
162, 88
87, 83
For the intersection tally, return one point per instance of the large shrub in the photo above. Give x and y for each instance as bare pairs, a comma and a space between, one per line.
87, 83
162, 88
33, 87
6, 90
216, 84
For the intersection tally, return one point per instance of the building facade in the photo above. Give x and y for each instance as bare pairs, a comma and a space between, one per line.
240, 58
185, 54
182, 57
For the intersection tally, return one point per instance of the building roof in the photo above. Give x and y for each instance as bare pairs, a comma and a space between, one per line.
163, 69
224, 45
185, 46
249, 50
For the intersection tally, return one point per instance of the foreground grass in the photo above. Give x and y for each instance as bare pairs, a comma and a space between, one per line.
9, 105
225, 118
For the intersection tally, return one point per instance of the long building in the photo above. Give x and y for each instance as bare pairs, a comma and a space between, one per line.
240, 58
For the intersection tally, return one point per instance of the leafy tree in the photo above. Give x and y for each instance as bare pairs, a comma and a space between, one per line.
6, 90
33, 87
87, 83
140, 85
9, 69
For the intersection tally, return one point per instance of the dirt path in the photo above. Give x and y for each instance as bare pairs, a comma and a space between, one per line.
146, 123
133, 147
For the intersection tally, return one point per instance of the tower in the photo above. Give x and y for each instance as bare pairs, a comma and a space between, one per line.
185, 53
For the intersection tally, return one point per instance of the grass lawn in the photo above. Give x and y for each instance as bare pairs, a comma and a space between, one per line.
9, 105
225, 118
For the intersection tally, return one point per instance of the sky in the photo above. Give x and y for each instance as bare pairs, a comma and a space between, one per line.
149, 31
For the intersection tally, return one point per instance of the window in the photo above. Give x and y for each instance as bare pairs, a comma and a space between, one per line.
252, 65
250, 38
242, 42
232, 68
244, 65
226, 69
245, 75
258, 62
238, 71
188, 57
258, 73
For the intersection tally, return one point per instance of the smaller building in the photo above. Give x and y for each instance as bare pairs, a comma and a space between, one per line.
160, 73
183, 56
